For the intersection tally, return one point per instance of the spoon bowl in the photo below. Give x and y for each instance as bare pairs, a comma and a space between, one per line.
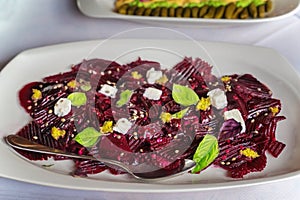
21, 143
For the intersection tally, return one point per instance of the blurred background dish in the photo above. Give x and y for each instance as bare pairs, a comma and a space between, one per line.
106, 9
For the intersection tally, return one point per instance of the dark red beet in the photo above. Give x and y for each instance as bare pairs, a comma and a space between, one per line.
150, 144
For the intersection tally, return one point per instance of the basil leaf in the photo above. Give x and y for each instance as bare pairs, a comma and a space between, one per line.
87, 137
77, 98
206, 152
124, 97
184, 95
86, 86
180, 114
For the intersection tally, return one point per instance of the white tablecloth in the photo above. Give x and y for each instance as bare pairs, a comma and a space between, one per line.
32, 23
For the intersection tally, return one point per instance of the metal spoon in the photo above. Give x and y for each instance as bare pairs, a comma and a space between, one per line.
21, 143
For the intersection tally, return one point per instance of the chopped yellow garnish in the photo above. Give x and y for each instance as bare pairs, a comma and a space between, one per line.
107, 127
274, 110
203, 104
249, 153
165, 117
36, 94
72, 84
226, 79
136, 75
57, 133
162, 80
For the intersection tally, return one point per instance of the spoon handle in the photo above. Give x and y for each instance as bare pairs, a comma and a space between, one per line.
21, 143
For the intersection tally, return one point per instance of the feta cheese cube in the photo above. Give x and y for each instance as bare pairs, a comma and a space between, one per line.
108, 90
122, 126
152, 93
237, 116
153, 75
62, 107
218, 98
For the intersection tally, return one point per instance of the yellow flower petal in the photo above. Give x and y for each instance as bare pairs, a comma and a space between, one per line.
107, 127
249, 153
203, 104
226, 79
56, 133
36, 94
136, 75
72, 84
274, 110
166, 117
162, 80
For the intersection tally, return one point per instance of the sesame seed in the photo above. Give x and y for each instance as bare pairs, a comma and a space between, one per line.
109, 72
136, 137
52, 98
29, 107
259, 89
141, 150
222, 163
50, 111
227, 163
118, 69
256, 132
175, 137
252, 120
46, 124
122, 154
63, 120
233, 159
102, 73
35, 137
40, 86
72, 135
35, 104
135, 133
118, 136
169, 135
266, 114
176, 151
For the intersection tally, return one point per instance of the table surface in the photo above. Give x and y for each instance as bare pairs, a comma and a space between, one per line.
33, 23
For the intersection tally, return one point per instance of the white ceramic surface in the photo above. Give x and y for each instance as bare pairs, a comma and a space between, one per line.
265, 64
105, 9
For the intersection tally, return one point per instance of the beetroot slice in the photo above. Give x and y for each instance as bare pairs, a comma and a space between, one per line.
159, 146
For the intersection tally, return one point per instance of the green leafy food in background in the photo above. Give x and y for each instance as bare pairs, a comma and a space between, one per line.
206, 152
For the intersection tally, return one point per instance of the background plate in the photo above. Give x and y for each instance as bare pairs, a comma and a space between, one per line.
104, 9
265, 64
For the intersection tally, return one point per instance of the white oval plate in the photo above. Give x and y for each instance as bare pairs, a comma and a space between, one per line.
105, 9
265, 64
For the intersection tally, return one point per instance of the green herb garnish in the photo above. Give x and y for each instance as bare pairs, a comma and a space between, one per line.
184, 95
206, 152
124, 97
88, 137
77, 98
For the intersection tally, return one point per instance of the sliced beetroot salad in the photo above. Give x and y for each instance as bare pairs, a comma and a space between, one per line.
153, 118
